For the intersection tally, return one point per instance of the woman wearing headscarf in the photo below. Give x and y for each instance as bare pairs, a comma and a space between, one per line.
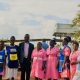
52, 61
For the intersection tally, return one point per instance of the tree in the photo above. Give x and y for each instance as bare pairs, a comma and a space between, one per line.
76, 36
76, 22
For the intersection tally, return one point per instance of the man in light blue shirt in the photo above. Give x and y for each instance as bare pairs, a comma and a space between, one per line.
44, 44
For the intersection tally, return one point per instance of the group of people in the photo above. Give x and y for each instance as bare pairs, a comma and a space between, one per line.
13, 56
42, 62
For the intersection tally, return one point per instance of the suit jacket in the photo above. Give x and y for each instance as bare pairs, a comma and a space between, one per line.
21, 51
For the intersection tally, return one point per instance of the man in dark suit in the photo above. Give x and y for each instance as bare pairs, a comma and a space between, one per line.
25, 52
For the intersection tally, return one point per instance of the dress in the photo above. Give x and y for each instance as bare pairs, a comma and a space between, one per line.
52, 63
2, 61
73, 68
38, 58
61, 60
12, 53
66, 71
77, 73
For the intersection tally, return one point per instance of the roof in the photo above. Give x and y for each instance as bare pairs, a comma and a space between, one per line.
64, 29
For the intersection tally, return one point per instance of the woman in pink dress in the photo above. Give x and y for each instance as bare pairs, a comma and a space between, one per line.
52, 61
39, 60
65, 74
73, 59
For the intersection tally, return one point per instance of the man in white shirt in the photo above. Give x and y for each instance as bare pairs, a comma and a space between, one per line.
25, 52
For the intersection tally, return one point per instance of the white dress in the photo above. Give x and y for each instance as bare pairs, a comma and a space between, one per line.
77, 74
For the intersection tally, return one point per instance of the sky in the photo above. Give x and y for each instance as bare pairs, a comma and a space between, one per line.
36, 17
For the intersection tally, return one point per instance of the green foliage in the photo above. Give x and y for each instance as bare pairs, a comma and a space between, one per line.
76, 36
76, 22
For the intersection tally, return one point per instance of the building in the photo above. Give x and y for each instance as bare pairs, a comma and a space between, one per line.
62, 30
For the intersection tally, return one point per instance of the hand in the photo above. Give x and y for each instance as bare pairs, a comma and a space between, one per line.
63, 66
78, 62
73, 63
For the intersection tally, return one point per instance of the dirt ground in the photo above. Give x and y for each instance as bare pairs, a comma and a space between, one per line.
18, 78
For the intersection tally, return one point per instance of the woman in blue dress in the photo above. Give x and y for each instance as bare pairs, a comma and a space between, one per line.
2, 60
61, 61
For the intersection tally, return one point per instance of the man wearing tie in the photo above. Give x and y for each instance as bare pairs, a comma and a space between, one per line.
25, 52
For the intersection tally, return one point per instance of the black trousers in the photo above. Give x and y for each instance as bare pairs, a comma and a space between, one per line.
25, 69
0, 77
